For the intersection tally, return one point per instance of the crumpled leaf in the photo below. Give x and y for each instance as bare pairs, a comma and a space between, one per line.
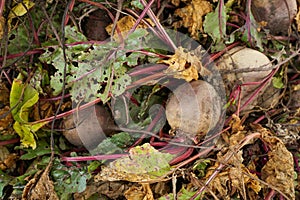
143, 192
192, 16
7, 159
236, 175
5, 122
22, 98
113, 144
279, 170
184, 65
40, 187
144, 163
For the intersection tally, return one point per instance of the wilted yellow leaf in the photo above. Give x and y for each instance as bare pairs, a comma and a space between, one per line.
183, 65
20, 9
192, 16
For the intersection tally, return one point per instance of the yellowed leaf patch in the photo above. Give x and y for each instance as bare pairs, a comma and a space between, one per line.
183, 65
192, 16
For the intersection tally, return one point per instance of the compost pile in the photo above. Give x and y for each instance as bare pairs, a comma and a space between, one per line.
143, 100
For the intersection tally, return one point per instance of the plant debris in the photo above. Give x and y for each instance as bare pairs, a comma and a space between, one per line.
90, 91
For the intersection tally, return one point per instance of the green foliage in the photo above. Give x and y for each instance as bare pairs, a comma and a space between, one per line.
251, 33
68, 180
137, 4
96, 70
215, 25
43, 148
277, 82
200, 166
4, 181
114, 144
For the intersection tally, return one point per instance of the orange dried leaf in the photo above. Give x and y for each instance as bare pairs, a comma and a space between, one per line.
192, 16
183, 65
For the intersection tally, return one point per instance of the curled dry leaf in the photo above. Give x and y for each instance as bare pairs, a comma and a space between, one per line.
7, 160
184, 65
192, 16
40, 187
7, 121
6, 118
142, 192
279, 170
236, 175
112, 190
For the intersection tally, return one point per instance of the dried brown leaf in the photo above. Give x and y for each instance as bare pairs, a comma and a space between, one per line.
184, 65
7, 159
7, 121
40, 188
234, 178
143, 192
279, 170
192, 16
